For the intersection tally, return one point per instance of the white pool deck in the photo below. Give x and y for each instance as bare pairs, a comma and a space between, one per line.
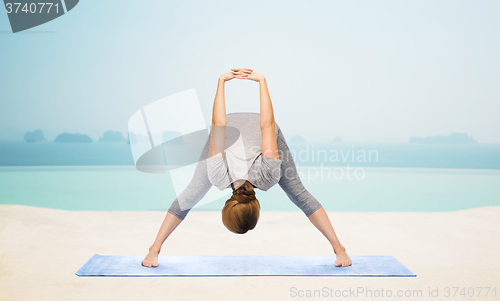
41, 249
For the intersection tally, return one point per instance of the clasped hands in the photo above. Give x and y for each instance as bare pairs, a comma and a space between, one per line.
242, 73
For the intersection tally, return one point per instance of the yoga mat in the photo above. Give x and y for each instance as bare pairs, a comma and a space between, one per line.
212, 266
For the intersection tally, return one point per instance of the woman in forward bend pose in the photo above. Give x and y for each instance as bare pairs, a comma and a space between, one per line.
260, 159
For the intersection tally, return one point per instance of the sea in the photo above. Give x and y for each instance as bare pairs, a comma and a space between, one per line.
367, 177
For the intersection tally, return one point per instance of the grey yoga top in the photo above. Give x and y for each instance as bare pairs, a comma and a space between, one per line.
243, 158
289, 179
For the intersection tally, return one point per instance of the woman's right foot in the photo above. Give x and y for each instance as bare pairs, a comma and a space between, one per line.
343, 260
151, 260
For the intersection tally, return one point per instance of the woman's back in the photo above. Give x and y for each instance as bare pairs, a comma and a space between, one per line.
243, 155
248, 128
248, 124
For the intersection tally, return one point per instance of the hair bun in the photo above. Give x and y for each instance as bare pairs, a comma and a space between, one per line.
244, 193
241, 218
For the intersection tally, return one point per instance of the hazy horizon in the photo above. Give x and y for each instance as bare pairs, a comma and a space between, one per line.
96, 135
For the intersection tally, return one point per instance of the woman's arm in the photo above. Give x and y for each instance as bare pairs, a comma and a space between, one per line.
219, 114
218, 121
267, 122
219, 108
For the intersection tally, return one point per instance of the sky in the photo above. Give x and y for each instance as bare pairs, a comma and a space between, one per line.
374, 71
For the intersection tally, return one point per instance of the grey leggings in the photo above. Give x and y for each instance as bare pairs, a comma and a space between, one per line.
289, 182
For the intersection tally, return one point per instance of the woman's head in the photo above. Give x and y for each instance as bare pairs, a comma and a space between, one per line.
242, 210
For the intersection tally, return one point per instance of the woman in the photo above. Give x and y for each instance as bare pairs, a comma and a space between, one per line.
260, 158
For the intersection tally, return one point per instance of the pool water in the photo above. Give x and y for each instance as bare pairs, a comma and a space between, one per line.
123, 188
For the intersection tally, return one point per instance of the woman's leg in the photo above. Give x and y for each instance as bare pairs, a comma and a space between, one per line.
290, 180
298, 194
167, 227
180, 207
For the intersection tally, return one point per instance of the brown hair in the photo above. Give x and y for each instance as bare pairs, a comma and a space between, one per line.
242, 210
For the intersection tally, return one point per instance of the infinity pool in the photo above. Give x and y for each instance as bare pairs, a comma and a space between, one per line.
122, 188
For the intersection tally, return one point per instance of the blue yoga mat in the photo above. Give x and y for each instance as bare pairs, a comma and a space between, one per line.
212, 266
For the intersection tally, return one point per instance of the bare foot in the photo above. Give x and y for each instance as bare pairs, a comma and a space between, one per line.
342, 259
151, 260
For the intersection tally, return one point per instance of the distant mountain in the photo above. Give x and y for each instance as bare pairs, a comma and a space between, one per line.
297, 139
453, 138
137, 138
78, 138
337, 139
169, 137
110, 136
35, 136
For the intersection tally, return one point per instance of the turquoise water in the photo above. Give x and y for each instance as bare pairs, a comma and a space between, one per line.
470, 156
118, 188
390, 177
